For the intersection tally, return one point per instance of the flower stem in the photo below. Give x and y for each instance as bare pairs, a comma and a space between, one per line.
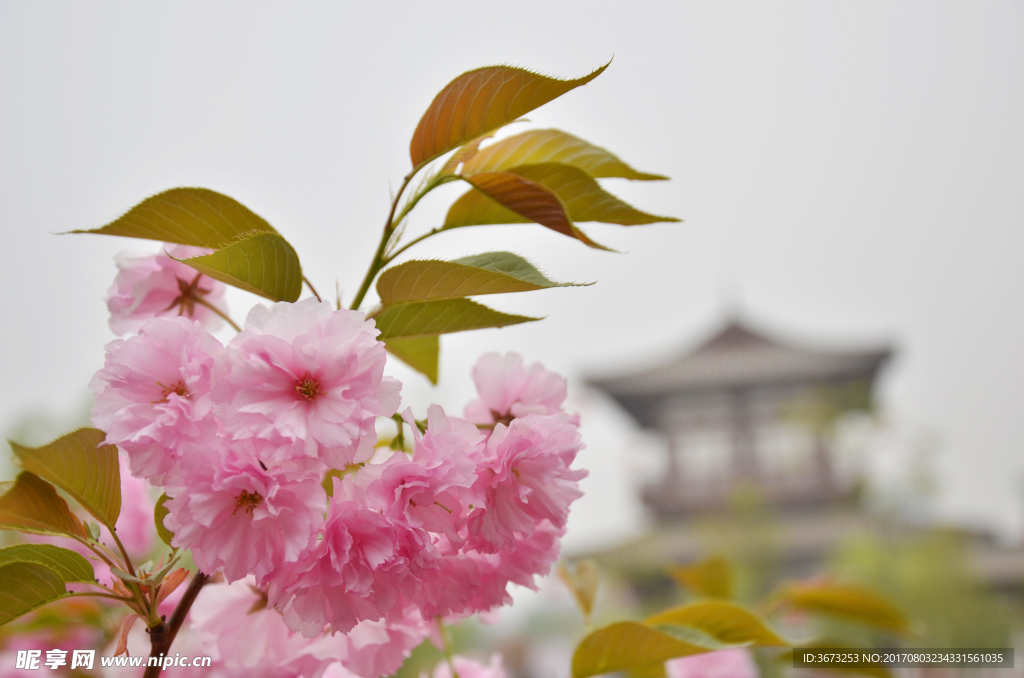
203, 302
87, 544
447, 650
378, 258
124, 554
412, 242
311, 288
162, 635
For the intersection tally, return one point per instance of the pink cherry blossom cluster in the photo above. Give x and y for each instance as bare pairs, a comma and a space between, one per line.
262, 644
267, 450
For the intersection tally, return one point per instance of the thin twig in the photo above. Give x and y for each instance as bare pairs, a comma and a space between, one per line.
203, 302
389, 229
102, 586
311, 288
124, 554
391, 257
447, 650
92, 546
87, 544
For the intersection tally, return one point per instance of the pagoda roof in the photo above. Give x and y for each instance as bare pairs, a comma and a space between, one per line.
739, 357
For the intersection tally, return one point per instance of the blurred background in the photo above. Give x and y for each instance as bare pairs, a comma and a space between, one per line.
819, 370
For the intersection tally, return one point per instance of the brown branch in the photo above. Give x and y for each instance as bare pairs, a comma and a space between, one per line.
162, 635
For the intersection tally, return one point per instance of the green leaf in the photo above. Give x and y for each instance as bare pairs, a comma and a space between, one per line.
189, 216
423, 299
652, 671
81, 465
509, 198
25, 587
629, 646
582, 197
725, 622
444, 316
712, 577
551, 145
488, 273
481, 101
419, 353
261, 263
848, 602
68, 565
151, 579
159, 513
693, 636
30, 504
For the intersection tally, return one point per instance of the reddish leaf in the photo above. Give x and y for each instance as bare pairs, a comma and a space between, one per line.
481, 101
527, 198
30, 504
171, 582
583, 197
122, 634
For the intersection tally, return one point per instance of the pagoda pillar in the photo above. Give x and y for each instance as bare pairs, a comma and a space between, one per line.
744, 449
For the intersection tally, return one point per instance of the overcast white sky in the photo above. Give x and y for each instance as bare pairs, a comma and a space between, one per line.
849, 171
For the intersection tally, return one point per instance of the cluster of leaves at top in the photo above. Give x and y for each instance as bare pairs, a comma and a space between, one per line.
544, 176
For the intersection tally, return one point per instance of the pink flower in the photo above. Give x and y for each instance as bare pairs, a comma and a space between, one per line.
379, 648
237, 514
305, 372
469, 668
468, 582
372, 649
508, 389
721, 664
156, 285
336, 670
357, 571
432, 490
525, 478
531, 556
472, 581
135, 527
240, 633
152, 394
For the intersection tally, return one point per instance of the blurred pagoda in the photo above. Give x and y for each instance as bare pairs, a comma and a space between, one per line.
750, 425
747, 411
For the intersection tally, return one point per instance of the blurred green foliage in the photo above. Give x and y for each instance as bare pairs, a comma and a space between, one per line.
929, 576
